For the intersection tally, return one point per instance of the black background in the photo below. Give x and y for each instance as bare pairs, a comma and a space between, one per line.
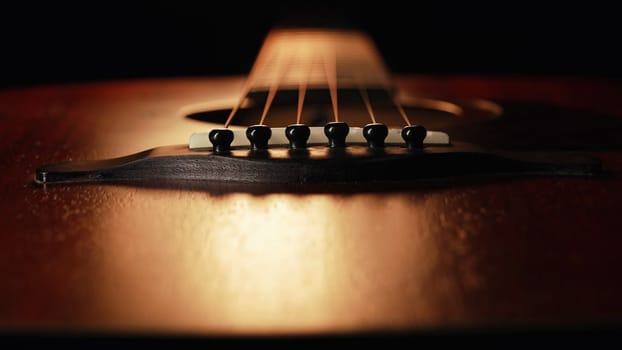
57, 42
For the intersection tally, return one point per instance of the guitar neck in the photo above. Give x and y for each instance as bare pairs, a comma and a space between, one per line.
318, 58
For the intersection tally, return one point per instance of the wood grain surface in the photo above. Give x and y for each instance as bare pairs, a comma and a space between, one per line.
213, 260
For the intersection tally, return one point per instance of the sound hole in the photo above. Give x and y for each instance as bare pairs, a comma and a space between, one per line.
434, 114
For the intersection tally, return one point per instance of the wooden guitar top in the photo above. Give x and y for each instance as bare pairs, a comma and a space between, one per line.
210, 259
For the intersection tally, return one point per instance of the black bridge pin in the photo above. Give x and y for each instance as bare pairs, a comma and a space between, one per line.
336, 133
414, 135
375, 133
298, 135
258, 136
221, 139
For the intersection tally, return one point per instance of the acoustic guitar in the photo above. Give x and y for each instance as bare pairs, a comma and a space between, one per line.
318, 196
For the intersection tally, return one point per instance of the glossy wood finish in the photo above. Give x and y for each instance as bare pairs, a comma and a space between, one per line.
181, 257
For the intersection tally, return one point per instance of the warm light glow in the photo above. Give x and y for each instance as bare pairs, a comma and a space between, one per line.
277, 263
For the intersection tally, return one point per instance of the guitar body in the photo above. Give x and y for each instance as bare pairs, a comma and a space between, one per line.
213, 258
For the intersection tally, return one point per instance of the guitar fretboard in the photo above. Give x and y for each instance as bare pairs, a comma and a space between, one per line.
318, 58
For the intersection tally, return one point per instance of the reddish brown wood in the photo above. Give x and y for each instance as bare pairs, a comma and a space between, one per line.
102, 257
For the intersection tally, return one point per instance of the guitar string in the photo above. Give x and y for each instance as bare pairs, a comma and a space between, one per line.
330, 69
246, 89
274, 87
367, 102
400, 109
302, 91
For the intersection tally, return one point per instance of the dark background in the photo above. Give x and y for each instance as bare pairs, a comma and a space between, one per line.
56, 42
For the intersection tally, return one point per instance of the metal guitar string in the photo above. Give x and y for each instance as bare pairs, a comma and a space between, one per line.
302, 91
329, 63
330, 68
400, 109
274, 87
248, 84
238, 104
365, 98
